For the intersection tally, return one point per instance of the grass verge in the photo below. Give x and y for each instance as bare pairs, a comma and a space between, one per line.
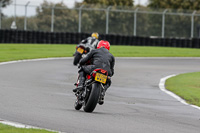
10, 129
10, 52
147, 51
187, 86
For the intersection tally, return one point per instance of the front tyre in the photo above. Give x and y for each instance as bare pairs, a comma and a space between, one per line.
93, 98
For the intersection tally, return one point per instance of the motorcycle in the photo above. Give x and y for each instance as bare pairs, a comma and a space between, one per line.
81, 49
93, 92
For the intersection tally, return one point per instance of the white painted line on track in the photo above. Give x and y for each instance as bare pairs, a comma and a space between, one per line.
19, 125
158, 58
162, 87
41, 59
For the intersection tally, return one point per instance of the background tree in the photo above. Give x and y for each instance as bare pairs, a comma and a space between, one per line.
175, 4
67, 20
5, 2
96, 20
177, 25
110, 2
64, 19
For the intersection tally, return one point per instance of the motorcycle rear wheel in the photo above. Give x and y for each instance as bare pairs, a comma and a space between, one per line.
77, 57
92, 101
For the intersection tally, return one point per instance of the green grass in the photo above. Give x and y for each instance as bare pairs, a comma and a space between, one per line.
9, 52
10, 129
143, 51
187, 86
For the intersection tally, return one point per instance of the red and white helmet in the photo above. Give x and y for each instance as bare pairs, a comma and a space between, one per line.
104, 44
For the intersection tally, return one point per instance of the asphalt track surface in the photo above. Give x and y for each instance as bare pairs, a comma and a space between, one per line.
39, 93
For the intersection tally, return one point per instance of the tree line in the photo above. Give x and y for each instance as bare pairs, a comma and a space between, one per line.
67, 20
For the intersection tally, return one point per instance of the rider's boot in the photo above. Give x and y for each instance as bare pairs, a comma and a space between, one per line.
80, 85
106, 86
101, 101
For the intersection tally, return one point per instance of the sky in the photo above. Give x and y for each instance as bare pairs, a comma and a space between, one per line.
20, 10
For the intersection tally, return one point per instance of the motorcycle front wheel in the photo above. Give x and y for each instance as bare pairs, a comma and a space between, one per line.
92, 101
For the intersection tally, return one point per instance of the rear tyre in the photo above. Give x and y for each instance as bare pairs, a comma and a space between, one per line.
77, 57
93, 98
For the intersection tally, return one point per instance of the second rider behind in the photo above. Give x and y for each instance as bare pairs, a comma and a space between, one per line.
92, 41
85, 46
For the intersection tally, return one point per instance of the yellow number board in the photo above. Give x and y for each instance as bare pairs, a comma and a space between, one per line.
101, 78
80, 50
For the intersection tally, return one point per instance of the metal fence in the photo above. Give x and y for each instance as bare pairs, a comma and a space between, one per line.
105, 20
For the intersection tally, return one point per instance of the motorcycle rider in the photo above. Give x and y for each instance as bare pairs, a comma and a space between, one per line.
88, 44
99, 58
92, 41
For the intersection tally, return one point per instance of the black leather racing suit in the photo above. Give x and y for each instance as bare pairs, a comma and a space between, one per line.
99, 58
90, 42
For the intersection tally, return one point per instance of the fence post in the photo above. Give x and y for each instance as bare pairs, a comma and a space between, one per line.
107, 19
192, 24
0, 12
80, 15
15, 12
163, 23
135, 21
25, 18
52, 18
